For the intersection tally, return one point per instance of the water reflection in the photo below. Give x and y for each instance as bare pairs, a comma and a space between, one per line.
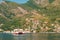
31, 36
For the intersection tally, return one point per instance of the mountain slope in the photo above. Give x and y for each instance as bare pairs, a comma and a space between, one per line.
48, 7
31, 14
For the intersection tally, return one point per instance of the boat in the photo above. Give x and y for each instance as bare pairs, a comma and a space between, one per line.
18, 31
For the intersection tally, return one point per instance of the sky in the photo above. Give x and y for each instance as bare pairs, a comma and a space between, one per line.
18, 1
0, 0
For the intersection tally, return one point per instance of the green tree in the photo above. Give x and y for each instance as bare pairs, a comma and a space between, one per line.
7, 26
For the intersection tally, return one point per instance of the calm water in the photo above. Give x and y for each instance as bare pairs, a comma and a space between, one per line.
31, 36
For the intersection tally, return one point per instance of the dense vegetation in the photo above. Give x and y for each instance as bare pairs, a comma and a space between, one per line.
9, 13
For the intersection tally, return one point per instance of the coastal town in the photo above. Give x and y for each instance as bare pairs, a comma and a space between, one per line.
29, 19
54, 28
15, 18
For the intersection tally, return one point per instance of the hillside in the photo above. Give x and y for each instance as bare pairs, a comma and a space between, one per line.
48, 7
31, 14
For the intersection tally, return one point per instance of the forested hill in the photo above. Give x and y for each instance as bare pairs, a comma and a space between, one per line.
14, 15
49, 7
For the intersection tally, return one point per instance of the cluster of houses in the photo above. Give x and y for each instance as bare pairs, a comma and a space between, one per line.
16, 31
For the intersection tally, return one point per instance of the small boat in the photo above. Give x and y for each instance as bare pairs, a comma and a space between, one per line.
18, 33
